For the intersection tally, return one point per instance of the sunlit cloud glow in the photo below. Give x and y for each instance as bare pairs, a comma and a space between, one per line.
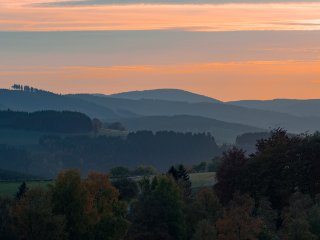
188, 17
225, 81
227, 51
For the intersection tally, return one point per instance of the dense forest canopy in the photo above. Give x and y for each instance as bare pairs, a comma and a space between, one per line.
269, 195
88, 152
224, 120
281, 166
267, 186
46, 121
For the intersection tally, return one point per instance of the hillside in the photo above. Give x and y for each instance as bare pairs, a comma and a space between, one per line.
302, 108
223, 132
110, 109
219, 111
6, 175
175, 95
42, 100
46, 121
161, 150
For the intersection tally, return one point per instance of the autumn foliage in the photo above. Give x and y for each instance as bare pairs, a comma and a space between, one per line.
269, 195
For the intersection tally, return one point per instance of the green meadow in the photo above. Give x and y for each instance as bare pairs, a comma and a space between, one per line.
9, 188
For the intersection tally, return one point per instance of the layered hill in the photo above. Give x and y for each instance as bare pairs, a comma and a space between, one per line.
302, 108
223, 132
42, 100
171, 109
220, 111
175, 95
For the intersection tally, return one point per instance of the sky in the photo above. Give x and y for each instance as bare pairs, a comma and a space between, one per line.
226, 49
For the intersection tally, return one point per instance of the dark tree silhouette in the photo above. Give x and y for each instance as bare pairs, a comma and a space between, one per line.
21, 190
47, 121
181, 177
229, 173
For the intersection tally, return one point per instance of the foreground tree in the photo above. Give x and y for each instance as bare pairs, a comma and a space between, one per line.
314, 217
33, 217
70, 199
295, 218
207, 205
106, 214
91, 206
204, 208
21, 191
181, 177
6, 220
127, 188
229, 173
239, 222
205, 230
158, 213
270, 219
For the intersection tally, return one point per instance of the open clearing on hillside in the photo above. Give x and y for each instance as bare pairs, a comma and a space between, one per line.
8, 189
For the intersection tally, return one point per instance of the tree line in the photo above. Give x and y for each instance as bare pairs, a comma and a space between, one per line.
25, 88
101, 153
281, 185
269, 195
46, 121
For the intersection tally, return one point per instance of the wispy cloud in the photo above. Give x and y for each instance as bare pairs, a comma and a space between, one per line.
186, 17
107, 2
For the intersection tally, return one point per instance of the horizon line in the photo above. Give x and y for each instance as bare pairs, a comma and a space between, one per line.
157, 89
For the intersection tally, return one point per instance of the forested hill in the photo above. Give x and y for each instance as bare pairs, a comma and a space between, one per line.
88, 153
46, 121
302, 108
220, 111
30, 101
175, 95
223, 132
111, 109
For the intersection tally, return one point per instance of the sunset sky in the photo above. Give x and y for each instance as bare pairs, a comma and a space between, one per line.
225, 49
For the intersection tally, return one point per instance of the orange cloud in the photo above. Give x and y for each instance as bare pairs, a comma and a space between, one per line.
225, 81
189, 17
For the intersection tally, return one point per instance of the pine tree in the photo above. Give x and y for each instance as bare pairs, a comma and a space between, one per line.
173, 172
182, 178
21, 191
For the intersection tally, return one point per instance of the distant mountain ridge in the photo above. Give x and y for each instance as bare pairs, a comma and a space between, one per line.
223, 132
220, 111
306, 108
38, 101
175, 95
300, 108
292, 115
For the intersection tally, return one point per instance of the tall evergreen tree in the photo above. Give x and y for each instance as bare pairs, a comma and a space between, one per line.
158, 213
21, 190
182, 178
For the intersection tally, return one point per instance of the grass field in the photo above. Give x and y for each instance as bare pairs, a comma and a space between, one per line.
112, 133
198, 180
8, 189
202, 179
